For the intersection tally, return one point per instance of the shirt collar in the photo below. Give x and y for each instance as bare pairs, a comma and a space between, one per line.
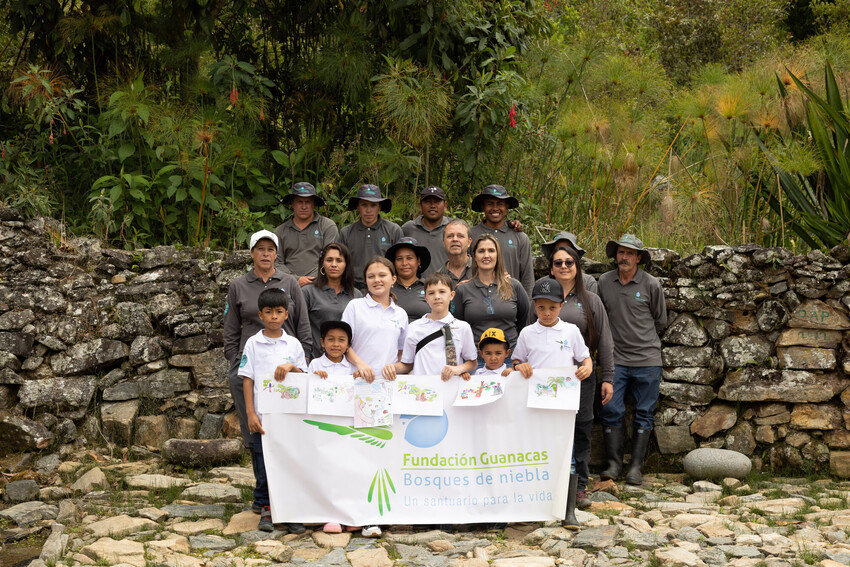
270, 340
252, 277
447, 320
503, 228
362, 227
327, 362
638, 279
418, 222
291, 220
372, 303
540, 328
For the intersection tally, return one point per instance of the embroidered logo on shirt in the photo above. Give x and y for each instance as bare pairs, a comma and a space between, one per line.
226, 307
316, 234
563, 344
244, 361
639, 298
511, 243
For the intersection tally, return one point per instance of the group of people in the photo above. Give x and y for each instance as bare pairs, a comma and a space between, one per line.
436, 296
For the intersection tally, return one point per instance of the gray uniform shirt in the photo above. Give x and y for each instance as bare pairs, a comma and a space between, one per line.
516, 251
430, 239
412, 299
324, 304
241, 319
299, 250
364, 242
482, 307
467, 272
573, 312
638, 314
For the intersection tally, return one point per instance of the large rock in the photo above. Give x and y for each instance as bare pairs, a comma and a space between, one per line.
19, 344
719, 417
112, 552
93, 479
771, 315
118, 419
839, 463
212, 492
600, 537
686, 331
146, 349
91, 356
16, 320
741, 438
818, 315
674, 439
20, 435
691, 394
686, 356
677, 557
803, 358
816, 416
21, 491
155, 481
809, 337
766, 385
60, 394
151, 431
740, 351
29, 512
54, 547
118, 526
716, 464
209, 369
193, 452
162, 385
690, 375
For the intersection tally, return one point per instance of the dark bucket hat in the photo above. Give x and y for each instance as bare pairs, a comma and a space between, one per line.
302, 189
497, 192
628, 241
371, 193
432, 191
421, 252
548, 248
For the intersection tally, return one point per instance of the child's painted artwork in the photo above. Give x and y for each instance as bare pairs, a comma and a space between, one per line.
418, 395
480, 390
554, 388
333, 395
288, 396
373, 403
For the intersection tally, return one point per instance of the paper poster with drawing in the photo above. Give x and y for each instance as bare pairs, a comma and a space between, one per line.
481, 390
288, 396
418, 395
333, 395
373, 403
554, 388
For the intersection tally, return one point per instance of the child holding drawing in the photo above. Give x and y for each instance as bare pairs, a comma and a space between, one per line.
550, 343
271, 353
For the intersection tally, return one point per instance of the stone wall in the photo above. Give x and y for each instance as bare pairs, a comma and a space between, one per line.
124, 348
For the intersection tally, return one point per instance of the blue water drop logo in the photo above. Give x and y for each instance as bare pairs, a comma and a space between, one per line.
425, 431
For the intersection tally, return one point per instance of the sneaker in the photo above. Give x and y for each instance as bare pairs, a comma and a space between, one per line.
371, 531
582, 501
256, 508
266, 524
296, 529
332, 528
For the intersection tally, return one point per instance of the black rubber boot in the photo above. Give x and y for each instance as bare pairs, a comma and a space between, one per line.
570, 520
640, 441
613, 452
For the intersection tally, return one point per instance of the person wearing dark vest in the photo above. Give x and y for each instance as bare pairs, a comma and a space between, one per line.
637, 314
410, 261
303, 235
371, 235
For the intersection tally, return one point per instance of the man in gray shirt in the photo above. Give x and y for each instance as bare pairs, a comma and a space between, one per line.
428, 227
494, 202
456, 243
637, 313
303, 235
371, 235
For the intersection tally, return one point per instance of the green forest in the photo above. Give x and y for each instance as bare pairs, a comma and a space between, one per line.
689, 122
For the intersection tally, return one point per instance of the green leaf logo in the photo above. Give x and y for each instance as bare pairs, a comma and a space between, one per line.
380, 488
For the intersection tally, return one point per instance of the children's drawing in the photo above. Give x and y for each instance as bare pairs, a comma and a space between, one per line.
373, 404
287, 396
554, 388
418, 395
333, 395
480, 390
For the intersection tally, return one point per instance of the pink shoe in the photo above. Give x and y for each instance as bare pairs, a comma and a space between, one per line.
332, 528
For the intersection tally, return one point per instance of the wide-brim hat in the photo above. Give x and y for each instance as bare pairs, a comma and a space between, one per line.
548, 248
628, 241
302, 189
496, 192
371, 193
422, 253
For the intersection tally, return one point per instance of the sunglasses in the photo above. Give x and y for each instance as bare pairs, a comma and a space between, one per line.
562, 263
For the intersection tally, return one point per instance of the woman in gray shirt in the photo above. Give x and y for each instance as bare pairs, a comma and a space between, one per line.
491, 298
410, 261
331, 291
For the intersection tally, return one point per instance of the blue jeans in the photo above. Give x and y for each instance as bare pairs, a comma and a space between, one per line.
644, 382
261, 490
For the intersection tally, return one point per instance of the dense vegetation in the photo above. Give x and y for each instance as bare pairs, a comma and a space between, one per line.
152, 122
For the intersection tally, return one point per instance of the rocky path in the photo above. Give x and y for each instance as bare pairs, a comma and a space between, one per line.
94, 511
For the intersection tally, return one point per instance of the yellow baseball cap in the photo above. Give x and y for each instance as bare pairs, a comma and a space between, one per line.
492, 333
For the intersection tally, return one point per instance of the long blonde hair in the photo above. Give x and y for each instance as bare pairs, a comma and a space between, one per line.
506, 292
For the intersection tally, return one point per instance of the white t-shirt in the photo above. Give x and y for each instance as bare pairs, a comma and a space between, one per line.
432, 357
485, 371
377, 333
263, 354
550, 347
324, 363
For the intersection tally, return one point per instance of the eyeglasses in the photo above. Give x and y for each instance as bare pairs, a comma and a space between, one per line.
562, 263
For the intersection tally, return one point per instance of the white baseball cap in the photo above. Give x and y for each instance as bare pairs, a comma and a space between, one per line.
263, 234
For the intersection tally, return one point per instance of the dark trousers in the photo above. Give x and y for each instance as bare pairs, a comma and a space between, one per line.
261, 490
644, 383
583, 426
234, 382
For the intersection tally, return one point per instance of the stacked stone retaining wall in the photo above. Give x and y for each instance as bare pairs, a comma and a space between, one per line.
124, 348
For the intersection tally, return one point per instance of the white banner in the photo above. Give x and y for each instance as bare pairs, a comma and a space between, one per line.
499, 462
